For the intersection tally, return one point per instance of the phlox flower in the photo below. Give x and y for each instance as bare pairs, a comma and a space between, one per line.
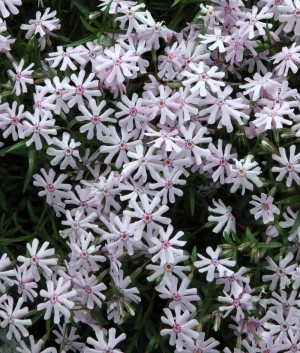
34, 347
67, 151
5, 40
75, 95
118, 63
41, 24
220, 159
58, 300
289, 222
11, 7
273, 118
182, 295
167, 183
4, 275
128, 294
290, 166
68, 338
95, 119
264, 208
201, 345
288, 58
39, 126
287, 303
281, 271
182, 331
147, 216
20, 77
169, 269
143, 161
217, 39
24, 281
131, 14
53, 189
79, 224
113, 9
88, 289
85, 201
244, 171
252, 20
224, 217
171, 61
165, 246
102, 344
74, 53
10, 121
214, 263
239, 303
234, 282
191, 143
13, 318
57, 91
204, 75
134, 111
289, 14
42, 258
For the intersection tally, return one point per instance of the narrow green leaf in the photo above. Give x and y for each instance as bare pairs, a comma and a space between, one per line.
88, 27
291, 199
32, 156
106, 12
249, 235
175, 2
84, 40
192, 199
115, 289
6, 241
81, 8
296, 224
194, 253
16, 147
20, 228
3, 201
31, 213
270, 245
268, 34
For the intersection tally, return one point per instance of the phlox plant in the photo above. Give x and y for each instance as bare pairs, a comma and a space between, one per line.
150, 187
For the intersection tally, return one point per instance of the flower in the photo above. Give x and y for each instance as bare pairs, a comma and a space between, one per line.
225, 217
102, 345
264, 208
182, 330
213, 263
12, 317
289, 222
11, 6
281, 271
38, 258
67, 151
201, 346
35, 347
203, 76
21, 77
289, 14
25, 283
291, 165
13, 120
74, 53
165, 245
289, 58
242, 173
58, 300
41, 24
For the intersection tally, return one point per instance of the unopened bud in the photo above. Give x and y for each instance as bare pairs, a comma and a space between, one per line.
243, 246
174, 84
128, 308
94, 15
288, 134
120, 307
227, 253
268, 146
226, 246
210, 224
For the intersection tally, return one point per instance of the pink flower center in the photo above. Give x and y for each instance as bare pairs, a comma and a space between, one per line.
222, 161
123, 236
53, 298
289, 167
50, 187
288, 56
284, 326
286, 306
117, 62
10, 319
214, 262
265, 206
18, 76
176, 328
88, 289
147, 218
68, 151
34, 260
14, 120
143, 161
189, 144
294, 348
177, 297
65, 55
228, 9
95, 119
133, 111
21, 284
296, 12
169, 185
236, 302
80, 90
122, 145
36, 129
165, 244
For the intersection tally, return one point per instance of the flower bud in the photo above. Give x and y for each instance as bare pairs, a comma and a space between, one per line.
268, 146
128, 308
94, 15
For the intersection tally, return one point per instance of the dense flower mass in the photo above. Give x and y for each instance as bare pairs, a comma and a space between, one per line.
131, 147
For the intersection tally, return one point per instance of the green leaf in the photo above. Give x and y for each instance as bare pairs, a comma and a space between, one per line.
175, 2
19, 227
268, 34
249, 235
194, 253
88, 27
296, 224
270, 245
192, 199
81, 8
6, 241
14, 148
84, 40
32, 156
290, 199
114, 289
37, 316
106, 12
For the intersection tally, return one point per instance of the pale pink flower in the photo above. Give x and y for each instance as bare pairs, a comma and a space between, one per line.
214, 263
201, 345
171, 61
42, 258
11, 7
164, 246
288, 58
281, 271
182, 331
102, 344
264, 208
224, 217
34, 347
10, 121
290, 166
13, 318
289, 14
74, 53
58, 300
21, 77
24, 281
289, 222
239, 303
68, 338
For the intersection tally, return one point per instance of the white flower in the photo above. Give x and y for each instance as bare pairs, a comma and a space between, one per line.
225, 216
21, 77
